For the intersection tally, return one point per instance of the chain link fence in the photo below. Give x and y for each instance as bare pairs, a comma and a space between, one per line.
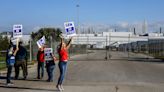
86, 48
49, 44
117, 47
97, 48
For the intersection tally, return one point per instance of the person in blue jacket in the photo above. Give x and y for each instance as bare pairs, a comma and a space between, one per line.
10, 61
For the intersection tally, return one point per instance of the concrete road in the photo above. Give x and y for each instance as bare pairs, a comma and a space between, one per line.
98, 75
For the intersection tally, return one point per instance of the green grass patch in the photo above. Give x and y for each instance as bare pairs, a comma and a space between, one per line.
2, 65
2, 62
2, 59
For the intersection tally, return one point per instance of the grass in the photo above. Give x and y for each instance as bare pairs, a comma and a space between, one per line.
2, 65
2, 59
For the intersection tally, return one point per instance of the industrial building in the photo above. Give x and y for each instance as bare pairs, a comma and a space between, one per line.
111, 38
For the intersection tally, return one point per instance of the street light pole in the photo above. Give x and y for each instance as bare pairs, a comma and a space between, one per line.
78, 28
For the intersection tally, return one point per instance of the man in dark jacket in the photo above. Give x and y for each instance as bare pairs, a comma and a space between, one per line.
21, 61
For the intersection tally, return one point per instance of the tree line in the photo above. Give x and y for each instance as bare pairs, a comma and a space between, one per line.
49, 33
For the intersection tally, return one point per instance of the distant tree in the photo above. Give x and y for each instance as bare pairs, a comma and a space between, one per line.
4, 41
48, 33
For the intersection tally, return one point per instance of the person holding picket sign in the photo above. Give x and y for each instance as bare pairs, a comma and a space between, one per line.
21, 61
50, 63
63, 59
10, 60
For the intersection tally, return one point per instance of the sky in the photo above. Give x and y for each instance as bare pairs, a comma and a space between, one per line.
39, 13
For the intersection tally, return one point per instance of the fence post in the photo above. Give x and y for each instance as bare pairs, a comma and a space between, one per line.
147, 48
51, 41
110, 49
129, 46
106, 48
87, 47
30, 51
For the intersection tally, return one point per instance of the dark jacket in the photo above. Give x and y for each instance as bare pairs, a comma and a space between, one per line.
21, 54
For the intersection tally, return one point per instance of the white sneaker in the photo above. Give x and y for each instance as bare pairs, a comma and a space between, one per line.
9, 84
59, 88
62, 87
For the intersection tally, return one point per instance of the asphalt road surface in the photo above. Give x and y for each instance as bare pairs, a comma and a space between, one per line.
92, 73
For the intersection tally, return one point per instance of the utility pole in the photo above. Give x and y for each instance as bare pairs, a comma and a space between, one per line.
78, 25
78, 28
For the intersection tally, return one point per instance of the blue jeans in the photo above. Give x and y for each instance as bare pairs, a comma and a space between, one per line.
9, 70
62, 68
50, 66
40, 65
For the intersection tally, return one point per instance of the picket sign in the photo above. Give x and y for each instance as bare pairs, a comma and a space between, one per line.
70, 29
48, 54
17, 31
41, 42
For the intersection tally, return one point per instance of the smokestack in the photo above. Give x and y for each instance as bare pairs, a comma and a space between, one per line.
134, 31
160, 30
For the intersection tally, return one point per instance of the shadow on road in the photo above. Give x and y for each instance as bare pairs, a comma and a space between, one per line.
25, 88
38, 80
2, 77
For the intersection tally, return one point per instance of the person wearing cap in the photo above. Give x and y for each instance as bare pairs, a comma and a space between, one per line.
21, 61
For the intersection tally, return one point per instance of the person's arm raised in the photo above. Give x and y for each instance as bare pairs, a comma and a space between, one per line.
69, 43
62, 41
